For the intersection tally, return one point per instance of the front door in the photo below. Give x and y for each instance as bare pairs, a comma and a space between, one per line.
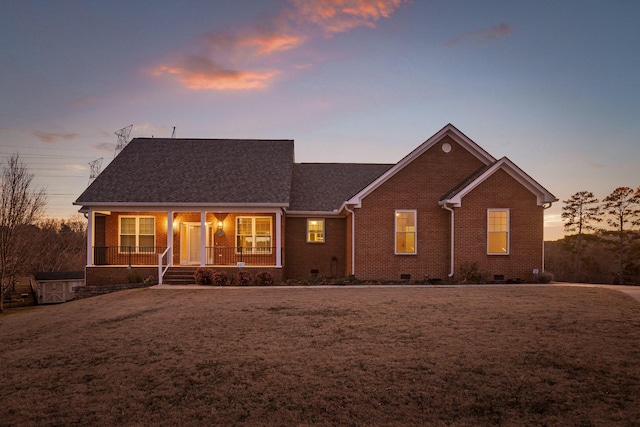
190, 243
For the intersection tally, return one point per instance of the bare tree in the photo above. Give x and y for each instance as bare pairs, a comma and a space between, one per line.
580, 212
623, 208
20, 206
55, 245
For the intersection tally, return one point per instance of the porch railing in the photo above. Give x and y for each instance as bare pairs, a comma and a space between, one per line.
232, 255
214, 255
162, 270
127, 255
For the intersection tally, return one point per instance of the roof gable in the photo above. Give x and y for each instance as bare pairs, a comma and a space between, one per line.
454, 197
162, 171
450, 131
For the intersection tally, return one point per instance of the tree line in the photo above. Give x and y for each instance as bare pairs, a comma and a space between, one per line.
602, 239
30, 243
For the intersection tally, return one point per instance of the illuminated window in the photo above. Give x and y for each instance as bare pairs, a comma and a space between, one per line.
315, 230
137, 234
405, 232
253, 235
498, 231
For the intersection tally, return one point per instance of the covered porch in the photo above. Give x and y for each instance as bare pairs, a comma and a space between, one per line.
207, 237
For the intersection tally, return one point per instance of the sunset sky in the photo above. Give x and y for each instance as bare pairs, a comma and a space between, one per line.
553, 85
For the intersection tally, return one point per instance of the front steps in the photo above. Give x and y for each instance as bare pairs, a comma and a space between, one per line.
179, 276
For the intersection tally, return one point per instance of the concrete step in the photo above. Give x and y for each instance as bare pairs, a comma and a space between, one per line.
179, 276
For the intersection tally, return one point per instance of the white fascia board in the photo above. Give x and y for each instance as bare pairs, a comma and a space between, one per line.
449, 130
317, 214
186, 207
543, 196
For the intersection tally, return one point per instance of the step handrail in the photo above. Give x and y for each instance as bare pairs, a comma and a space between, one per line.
161, 271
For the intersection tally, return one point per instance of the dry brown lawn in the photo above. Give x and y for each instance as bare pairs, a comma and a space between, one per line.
524, 355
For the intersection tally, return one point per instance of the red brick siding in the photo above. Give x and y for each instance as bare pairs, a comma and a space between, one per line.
96, 276
302, 257
526, 228
111, 233
419, 186
102, 276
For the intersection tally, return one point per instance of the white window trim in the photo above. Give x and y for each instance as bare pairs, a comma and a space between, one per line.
254, 248
415, 232
137, 232
508, 211
324, 231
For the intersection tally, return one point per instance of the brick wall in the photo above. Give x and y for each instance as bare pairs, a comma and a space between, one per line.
327, 258
418, 186
526, 228
115, 275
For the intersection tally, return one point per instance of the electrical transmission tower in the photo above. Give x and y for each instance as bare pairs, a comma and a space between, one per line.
123, 139
95, 166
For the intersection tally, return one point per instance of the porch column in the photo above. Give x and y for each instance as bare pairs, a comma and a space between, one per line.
279, 239
170, 237
90, 238
203, 238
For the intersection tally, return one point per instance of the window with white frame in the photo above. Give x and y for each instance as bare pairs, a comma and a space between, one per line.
253, 235
498, 231
137, 234
405, 233
315, 230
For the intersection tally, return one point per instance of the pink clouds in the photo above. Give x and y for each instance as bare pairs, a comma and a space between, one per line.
53, 138
486, 35
251, 58
337, 16
199, 73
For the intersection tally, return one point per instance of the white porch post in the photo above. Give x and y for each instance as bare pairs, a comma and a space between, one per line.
170, 237
279, 239
90, 238
203, 237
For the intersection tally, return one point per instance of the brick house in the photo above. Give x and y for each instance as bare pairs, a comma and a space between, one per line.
170, 204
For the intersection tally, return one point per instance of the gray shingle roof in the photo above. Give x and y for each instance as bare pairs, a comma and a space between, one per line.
175, 171
325, 186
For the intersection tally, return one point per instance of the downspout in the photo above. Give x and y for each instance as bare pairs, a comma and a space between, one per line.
544, 207
452, 269
353, 240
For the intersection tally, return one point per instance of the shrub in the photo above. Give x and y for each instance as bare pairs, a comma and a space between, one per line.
543, 277
203, 276
265, 278
470, 273
134, 276
244, 278
220, 278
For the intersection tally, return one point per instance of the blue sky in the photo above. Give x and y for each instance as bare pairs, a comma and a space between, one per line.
553, 85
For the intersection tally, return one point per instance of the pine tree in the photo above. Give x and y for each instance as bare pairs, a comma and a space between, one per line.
623, 209
580, 212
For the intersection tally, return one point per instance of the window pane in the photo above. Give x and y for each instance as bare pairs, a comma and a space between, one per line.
405, 243
147, 226
405, 232
127, 240
498, 221
127, 225
244, 226
498, 242
263, 225
316, 230
498, 231
245, 241
147, 242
